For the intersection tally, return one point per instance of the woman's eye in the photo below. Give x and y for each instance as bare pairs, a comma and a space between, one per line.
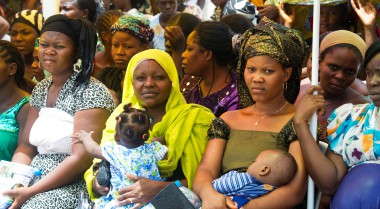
333, 67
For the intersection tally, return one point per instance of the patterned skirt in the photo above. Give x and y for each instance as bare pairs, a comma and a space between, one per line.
65, 197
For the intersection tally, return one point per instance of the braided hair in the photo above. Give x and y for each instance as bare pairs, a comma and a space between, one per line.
10, 54
105, 21
133, 124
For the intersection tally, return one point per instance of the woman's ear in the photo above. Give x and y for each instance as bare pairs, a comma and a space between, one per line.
105, 37
265, 170
85, 13
208, 55
288, 72
12, 69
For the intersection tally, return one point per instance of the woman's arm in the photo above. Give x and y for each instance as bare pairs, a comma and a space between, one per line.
289, 195
327, 172
367, 15
208, 170
25, 152
21, 118
73, 167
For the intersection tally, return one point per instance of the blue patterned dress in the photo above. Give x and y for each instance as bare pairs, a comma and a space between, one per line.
140, 161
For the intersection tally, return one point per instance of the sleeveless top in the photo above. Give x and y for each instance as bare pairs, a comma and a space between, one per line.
243, 146
9, 129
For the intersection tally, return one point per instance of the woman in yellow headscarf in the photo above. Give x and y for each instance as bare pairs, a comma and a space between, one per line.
152, 81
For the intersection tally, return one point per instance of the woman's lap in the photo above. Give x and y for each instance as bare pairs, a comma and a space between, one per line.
63, 197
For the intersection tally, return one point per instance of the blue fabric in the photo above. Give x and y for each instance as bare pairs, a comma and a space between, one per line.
247, 187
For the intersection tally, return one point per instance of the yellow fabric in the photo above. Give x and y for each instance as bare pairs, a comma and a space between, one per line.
184, 126
343, 37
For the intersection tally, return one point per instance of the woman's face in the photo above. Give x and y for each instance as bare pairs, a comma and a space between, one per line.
331, 17
194, 57
168, 7
151, 84
337, 71
5, 70
265, 77
70, 8
124, 46
57, 53
373, 79
23, 36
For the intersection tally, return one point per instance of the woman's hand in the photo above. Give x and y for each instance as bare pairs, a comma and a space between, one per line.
309, 104
366, 13
100, 190
214, 199
176, 38
270, 11
140, 192
21, 195
285, 18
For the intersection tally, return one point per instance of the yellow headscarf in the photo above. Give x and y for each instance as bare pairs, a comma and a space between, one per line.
184, 126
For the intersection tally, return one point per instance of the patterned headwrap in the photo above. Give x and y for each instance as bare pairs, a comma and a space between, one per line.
279, 42
33, 18
242, 7
135, 26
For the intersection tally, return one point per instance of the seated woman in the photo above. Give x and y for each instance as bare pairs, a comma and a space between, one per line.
268, 83
209, 56
14, 99
152, 81
65, 103
350, 169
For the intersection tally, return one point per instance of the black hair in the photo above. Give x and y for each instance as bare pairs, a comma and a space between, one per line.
111, 77
133, 123
216, 37
237, 22
10, 54
90, 5
106, 19
187, 22
371, 52
83, 33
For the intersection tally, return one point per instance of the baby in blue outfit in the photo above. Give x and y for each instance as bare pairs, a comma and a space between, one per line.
271, 169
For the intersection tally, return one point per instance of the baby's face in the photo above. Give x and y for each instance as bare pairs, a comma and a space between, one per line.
255, 168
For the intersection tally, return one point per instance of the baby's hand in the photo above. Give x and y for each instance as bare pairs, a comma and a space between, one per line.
159, 139
80, 136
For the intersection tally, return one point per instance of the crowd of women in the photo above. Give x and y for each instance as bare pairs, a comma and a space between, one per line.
217, 94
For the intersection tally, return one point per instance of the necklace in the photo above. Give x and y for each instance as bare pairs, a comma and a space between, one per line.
274, 112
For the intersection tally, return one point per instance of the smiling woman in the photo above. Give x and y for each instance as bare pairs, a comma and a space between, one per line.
152, 80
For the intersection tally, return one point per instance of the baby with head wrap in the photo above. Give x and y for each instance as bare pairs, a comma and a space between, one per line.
279, 42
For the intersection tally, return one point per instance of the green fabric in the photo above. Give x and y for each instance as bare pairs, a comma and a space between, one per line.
184, 126
250, 143
9, 130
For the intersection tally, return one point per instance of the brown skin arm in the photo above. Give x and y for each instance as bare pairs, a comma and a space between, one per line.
21, 118
326, 171
73, 167
208, 170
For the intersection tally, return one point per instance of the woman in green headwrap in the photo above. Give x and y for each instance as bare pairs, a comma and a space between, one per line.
268, 79
151, 80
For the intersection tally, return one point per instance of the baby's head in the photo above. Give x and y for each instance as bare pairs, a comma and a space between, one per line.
274, 166
132, 127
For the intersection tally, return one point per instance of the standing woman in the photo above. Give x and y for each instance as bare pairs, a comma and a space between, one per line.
209, 55
25, 29
81, 9
14, 99
65, 103
268, 83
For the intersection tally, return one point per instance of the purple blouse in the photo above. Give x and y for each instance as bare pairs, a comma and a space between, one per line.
220, 102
